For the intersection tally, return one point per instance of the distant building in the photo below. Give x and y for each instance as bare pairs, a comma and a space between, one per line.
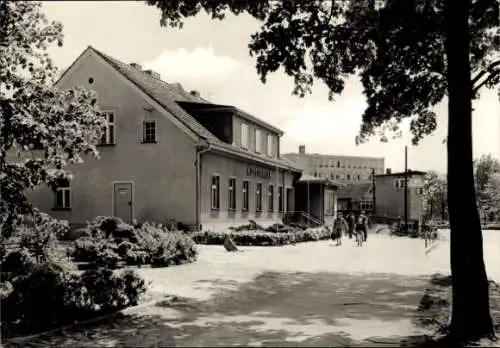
389, 194
356, 197
344, 169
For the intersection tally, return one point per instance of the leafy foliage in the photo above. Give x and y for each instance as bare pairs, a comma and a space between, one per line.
486, 182
396, 48
147, 244
435, 196
43, 129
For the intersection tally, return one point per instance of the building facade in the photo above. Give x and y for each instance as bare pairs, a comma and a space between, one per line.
169, 154
346, 169
390, 194
356, 197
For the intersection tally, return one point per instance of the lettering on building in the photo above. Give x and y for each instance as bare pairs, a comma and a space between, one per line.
259, 173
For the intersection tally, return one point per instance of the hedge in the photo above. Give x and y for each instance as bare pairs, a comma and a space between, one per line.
261, 238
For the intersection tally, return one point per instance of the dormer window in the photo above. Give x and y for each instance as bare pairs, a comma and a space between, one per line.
270, 145
258, 141
244, 135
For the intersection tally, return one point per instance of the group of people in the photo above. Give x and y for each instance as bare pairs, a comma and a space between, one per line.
351, 225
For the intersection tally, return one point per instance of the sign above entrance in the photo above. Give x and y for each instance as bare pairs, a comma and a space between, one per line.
259, 173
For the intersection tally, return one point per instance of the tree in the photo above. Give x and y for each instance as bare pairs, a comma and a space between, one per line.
485, 169
409, 55
42, 129
434, 192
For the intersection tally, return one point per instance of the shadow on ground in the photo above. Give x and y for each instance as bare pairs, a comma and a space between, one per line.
275, 309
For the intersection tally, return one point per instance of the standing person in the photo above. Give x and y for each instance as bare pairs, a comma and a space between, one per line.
339, 225
363, 224
351, 221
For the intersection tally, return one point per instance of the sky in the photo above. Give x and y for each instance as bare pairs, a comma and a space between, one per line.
212, 57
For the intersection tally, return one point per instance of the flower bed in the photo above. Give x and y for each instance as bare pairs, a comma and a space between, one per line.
262, 238
113, 243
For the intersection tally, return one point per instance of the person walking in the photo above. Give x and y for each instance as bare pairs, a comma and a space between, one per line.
351, 221
363, 224
339, 225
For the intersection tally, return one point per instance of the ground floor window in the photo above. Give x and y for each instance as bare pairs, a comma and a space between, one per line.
245, 195
62, 197
232, 194
270, 195
280, 198
258, 197
215, 192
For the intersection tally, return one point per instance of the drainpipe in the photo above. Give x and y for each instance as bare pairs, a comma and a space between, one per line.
200, 149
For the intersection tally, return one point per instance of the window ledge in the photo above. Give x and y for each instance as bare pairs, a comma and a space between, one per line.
232, 210
61, 209
215, 209
149, 142
103, 145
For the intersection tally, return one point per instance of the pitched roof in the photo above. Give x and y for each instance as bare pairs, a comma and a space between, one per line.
354, 191
167, 95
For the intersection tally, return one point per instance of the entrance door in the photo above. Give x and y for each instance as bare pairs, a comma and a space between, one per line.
123, 205
289, 200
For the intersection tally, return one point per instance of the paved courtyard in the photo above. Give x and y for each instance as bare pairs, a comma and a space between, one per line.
311, 294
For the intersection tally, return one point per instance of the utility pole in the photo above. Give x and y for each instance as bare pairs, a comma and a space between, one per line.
406, 189
373, 191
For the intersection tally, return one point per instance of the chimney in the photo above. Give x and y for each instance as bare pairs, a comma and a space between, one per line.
388, 171
152, 73
302, 149
195, 93
136, 66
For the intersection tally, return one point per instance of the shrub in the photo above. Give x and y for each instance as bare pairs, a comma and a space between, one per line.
78, 233
150, 244
262, 238
49, 297
17, 263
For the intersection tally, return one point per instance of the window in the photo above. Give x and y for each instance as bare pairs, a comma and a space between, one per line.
338, 164
348, 176
245, 195
358, 177
280, 198
419, 190
258, 197
337, 176
149, 131
399, 183
62, 199
215, 192
270, 144
366, 204
232, 194
244, 136
270, 198
258, 141
108, 137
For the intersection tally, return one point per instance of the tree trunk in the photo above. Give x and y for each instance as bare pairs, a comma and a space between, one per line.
471, 317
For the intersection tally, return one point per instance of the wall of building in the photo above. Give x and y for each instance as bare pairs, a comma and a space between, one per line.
163, 174
390, 200
228, 167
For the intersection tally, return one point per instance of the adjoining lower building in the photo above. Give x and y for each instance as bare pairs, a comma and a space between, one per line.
169, 154
356, 197
390, 194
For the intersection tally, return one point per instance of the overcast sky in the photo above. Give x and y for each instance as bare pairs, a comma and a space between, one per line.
212, 57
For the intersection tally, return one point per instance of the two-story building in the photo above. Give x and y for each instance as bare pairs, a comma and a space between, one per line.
169, 154
390, 194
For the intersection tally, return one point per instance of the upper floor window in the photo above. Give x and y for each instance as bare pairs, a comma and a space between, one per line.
358, 177
62, 198
270, 145
258, 141
108, 137
348, 176
338, 164
244, 136
399, 183
215, 192
149, 131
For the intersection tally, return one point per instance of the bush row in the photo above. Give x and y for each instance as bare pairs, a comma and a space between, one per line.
37, 296
250, 238
110, 242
